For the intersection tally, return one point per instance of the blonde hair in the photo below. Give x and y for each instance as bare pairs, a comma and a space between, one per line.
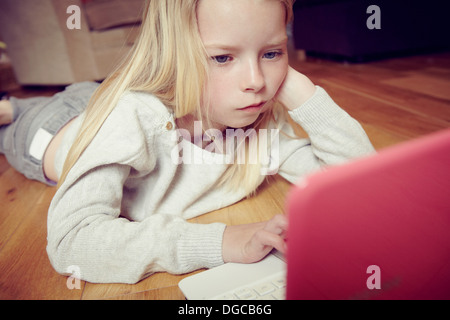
169, 61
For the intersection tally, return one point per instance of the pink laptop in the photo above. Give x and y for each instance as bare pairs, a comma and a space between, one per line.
377, 228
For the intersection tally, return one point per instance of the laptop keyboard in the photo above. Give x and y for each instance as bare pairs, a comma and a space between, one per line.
263, 280
270, 288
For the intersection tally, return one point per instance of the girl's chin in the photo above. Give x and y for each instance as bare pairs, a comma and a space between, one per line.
240, 123
237, 119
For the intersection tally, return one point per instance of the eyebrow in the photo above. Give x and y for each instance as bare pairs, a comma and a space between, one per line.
228, 47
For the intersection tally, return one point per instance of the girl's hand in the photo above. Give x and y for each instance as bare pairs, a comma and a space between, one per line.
250, 243
295, 90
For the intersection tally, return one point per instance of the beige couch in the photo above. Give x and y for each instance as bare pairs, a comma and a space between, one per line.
44, 51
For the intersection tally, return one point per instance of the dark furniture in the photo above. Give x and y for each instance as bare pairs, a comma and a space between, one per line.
338, 28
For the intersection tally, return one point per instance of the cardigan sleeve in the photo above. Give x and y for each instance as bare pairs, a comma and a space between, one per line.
85, 230
85, 226
334, 138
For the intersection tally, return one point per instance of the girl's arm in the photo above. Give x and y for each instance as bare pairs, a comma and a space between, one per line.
334, 137
86, 230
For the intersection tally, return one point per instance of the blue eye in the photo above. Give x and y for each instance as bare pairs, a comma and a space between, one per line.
221, 59
272, 55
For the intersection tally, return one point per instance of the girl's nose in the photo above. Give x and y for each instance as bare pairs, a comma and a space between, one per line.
253, 77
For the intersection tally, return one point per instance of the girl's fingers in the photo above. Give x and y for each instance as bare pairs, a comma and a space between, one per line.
267, 240
251, 243
277, 225
271, 236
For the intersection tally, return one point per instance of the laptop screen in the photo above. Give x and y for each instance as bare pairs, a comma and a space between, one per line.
376, 228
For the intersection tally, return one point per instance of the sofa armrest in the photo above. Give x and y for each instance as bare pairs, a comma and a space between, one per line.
41, 47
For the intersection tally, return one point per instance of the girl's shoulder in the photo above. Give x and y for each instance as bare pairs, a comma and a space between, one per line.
143, 102
143, 108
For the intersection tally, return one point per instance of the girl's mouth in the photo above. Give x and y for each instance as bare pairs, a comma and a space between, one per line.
253, 107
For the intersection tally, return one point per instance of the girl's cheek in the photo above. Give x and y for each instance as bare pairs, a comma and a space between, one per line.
279, 79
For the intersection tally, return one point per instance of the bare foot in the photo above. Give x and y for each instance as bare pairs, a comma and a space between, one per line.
6, 112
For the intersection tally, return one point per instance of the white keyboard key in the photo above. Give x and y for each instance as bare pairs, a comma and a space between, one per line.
246, 294
280, 294
227, 296
280, 282
266, 297
264, 288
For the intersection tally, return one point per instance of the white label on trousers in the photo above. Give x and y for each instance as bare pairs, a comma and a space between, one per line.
40, 143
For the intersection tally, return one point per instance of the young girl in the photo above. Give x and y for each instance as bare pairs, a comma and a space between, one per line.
121, 207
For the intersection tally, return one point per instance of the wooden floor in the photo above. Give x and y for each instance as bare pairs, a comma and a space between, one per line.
395, 100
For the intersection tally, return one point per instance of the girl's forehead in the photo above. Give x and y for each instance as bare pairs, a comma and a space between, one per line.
235, 9
240, 20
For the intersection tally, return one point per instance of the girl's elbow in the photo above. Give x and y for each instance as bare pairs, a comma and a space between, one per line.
58, 260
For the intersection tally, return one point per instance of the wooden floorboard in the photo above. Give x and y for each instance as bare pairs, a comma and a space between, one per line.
395, 100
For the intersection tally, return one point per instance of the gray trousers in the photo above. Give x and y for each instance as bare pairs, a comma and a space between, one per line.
35, 122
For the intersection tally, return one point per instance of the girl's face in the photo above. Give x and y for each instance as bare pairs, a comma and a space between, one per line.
247, 44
